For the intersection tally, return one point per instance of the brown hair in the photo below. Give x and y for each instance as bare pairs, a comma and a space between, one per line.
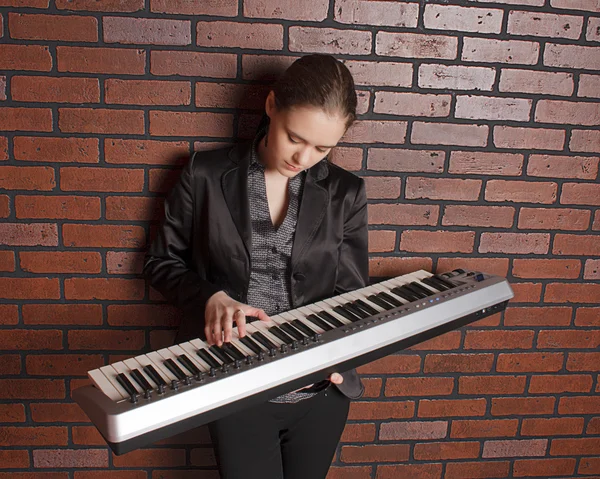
321, 81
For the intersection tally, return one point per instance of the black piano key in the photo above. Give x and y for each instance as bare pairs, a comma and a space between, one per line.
366, 307
346, 314
141, 380
380, 302
176, 370
417, 291
292, 331
435, 284
188, 364
356, 310
330, 318
403, 293
124, 381
208, 358
390, 299
262, 339
303, 327
221, 354
279, 334
251, 344
313, 318
231, 349
420, 287
153, 373
444, 281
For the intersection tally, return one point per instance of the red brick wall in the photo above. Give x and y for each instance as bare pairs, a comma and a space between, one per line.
479, 139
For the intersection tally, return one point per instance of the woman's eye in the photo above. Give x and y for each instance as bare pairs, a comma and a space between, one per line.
292, 140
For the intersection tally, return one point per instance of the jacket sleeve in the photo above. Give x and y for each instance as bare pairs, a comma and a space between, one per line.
353, 264
167, 261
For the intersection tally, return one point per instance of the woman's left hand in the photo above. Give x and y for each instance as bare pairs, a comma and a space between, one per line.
336, 378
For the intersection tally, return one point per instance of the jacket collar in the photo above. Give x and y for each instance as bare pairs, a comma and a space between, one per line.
313, 205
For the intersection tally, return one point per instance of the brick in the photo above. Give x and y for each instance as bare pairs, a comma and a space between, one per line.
143, 315
418, 386
195, 64
368, 411
487, 385
438, 408
101, 179
3, 148
152, 457
589, 465
470, 428
25, 3
581, 167
571, 56
87, 435
537, 316
491, 50
32, 389
63, 150
103, 236
372, 387
60, 262
526, 292
133, 208
528, 138
103, 474
57, 207
34, 475
328, 40
412, 45
400, 160
146, 31
589, 86
37, 178
370, 73
104, 6
38, 436
147, 92
554, 218
456, 77
479, 469
514, 243
592, 269
7, 261
574, 113
528, 406
529, 362
587, 316
544, 25
443, 189
575, 447
587, 5
59, 90
424, 471
521, 191
465, 19
498, 340
393, 266
376, 131
69, 28
401, 431
560, 383
100, 120
106, 340
482, 163
9, 314
536, 82
35, 234
25, 119
492, 108
306, 11
446, 341
62, 314
230, 95
151, 152
346, 157
170, 123
118, 262
449, 134
363, 472
267, 68
31, 339
515, 448
54, 458
367, 13
246, 35
375, 453
572, 293
579, 405
576, 244
437, 241
470, 363
593, 426
580, 194
119, 61
25, 57
585, 140
583, 361
596, 224
358, 433
411, 104
12, 413
546, 268
494, 216
14, 459
224, 8
161, 180
62, 364
555, 426
379, 187
435, 451
497, 266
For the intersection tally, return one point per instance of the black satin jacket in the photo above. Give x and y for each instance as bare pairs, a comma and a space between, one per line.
203, 243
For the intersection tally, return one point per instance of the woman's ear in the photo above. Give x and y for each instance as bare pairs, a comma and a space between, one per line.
270, 104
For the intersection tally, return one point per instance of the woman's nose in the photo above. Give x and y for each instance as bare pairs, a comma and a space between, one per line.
303, 156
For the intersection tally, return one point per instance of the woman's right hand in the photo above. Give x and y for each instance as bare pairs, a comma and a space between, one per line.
220, 314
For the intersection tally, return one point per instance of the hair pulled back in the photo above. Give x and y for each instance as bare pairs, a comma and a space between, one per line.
320, 81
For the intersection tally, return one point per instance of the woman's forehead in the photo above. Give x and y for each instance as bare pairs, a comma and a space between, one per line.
314, 125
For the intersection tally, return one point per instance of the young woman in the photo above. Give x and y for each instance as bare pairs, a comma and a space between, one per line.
261, 228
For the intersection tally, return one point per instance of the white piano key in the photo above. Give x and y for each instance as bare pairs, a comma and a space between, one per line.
177, 350
158, 361
241, 346
168, 354
263, 328
190, 352
356, 296
102, 383
323, 306
295, 314
132, 364
145, 360
199, 344
122, 368
301, 315
111, 375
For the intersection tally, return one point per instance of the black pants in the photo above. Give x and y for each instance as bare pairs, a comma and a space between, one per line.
281, 441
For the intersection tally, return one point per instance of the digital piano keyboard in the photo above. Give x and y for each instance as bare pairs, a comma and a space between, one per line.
136, 402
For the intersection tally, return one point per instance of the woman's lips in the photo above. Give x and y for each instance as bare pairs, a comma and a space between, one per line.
291, 167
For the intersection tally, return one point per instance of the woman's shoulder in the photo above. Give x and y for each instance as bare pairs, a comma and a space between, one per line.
216, 161
343, 178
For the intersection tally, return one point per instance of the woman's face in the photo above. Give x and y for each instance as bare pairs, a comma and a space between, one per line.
299, 137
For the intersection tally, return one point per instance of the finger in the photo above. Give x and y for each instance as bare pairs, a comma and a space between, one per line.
260, 314
227, 328
217, 333
336, 378
208, 334
240, 320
